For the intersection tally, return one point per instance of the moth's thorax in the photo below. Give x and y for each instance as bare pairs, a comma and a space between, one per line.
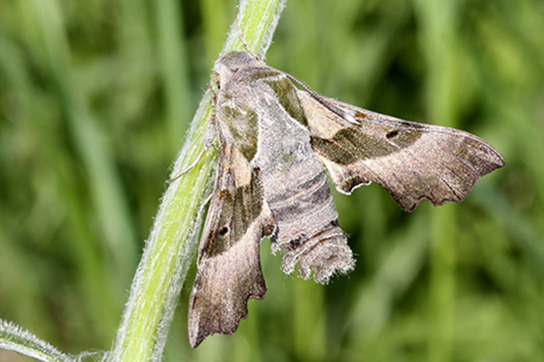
235, 66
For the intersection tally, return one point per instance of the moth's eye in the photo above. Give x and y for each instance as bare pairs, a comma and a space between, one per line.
234, 70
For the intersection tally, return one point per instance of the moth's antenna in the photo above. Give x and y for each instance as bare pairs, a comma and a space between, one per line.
208, 140
193, 165
242, 39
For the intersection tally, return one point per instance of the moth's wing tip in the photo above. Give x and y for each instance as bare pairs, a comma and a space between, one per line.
409, 204
199, 325
198, 331
494, 158
199, 335
196, 335
194, 341
500, 161
491, 160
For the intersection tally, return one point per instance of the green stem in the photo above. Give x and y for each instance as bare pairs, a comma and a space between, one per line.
172, 244
14, 338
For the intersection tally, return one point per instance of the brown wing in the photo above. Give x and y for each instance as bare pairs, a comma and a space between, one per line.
229, 268
412, 161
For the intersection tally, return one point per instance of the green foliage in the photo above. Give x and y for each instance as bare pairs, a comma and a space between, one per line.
95, 98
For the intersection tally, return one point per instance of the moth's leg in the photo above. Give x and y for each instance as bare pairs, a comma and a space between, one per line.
209, 137
191, 166
202, 207
206, 200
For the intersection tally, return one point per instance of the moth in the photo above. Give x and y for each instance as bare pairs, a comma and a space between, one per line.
276, 139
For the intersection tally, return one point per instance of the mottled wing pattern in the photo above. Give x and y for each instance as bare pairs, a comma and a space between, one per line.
229, 268
274, 140
412, 161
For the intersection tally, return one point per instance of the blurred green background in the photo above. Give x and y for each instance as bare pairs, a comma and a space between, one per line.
95, 98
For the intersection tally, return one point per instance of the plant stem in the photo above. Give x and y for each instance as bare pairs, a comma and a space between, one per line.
172, 246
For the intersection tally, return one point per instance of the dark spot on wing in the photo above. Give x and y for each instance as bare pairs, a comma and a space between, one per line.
352, 144
391, 134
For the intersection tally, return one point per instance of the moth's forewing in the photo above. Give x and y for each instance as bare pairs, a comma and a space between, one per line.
229, 268
413, 161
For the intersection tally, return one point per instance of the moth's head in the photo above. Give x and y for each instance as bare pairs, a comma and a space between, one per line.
230, 64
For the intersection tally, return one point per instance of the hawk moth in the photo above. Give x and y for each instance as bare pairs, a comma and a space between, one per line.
277, 138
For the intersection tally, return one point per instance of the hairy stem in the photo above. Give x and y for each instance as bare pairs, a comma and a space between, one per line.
172, 246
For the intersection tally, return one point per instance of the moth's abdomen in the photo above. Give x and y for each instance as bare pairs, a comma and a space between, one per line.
324, 254
307, 228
